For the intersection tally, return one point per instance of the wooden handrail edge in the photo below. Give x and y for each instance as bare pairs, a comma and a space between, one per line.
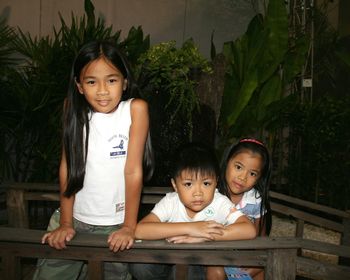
8, 234
98, 240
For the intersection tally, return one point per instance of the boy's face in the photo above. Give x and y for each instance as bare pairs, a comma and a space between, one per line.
195, 190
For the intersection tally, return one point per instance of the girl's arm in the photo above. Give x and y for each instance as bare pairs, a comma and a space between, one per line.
65, 232
124, 238
151, 228
242, 229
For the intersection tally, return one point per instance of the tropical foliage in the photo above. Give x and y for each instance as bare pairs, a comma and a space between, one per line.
317, 147
309, 141
168, 77
168, 70
32, 93
261, 63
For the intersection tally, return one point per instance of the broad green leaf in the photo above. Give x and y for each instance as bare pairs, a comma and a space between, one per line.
270, 92
276, 45
89, 10
229, 98
240, 50
277, 23
227, 51
295, 59
245, 93
257, 39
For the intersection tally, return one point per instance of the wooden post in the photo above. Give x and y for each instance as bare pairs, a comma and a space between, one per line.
11, 267
281, 264
95, 270
181, 271
345, 239
17, 208
299, 232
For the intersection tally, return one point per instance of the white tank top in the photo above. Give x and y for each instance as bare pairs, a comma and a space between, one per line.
101, 201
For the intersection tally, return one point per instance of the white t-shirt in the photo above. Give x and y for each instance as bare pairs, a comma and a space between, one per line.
170, 209
101, 201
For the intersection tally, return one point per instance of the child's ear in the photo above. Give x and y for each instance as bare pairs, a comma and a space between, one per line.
217, 182
173, 184
125, 84
80, 88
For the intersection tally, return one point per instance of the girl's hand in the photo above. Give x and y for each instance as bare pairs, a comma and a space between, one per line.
121, 239
58, 237
187, 239
206, 229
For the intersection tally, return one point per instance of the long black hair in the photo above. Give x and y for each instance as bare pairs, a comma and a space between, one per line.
262, 185
76, 112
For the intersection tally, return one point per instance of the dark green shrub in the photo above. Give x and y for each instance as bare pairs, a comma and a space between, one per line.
32, 96
317, 158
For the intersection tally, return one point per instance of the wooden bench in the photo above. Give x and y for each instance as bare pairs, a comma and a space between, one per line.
277, 255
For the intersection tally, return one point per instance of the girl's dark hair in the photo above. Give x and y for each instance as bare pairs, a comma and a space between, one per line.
195, 157
76, 112
261, 186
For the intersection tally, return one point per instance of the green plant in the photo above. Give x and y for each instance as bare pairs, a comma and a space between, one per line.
32, 97
260, 65
168, 77
318, 149
315, 159
170, 71
331, 57
7, 58
7, 70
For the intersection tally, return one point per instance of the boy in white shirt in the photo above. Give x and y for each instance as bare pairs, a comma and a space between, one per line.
195, 212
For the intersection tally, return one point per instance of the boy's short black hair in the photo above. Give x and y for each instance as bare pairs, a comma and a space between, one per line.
196, 157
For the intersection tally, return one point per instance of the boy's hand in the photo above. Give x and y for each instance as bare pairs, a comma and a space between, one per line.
121, 239
206, 229
187, 239
58, 237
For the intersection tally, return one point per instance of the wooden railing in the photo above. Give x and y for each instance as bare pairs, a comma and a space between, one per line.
19, 194
277, 255
304, 211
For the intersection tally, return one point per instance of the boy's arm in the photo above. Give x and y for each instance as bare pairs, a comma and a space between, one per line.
151, 228
241, 229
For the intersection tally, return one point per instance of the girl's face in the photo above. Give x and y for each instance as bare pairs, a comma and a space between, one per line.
243, 171
102, 84
195, 190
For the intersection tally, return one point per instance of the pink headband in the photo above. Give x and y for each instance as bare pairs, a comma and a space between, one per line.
251, 140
